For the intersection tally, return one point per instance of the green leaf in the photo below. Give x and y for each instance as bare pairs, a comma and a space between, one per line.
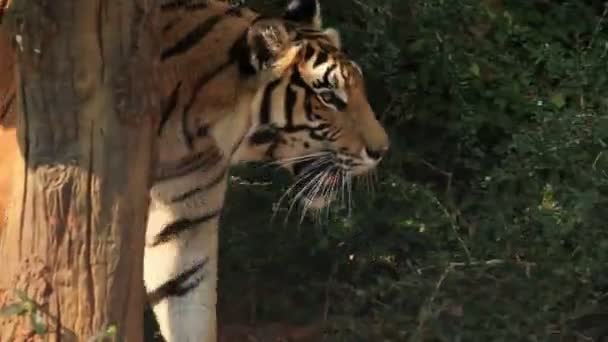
111, 331
13, 309
22, 295
38, 323
474, 69
558, 100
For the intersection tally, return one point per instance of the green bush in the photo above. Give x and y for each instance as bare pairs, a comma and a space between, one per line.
488, 222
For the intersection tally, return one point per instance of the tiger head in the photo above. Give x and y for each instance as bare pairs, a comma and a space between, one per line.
312, 115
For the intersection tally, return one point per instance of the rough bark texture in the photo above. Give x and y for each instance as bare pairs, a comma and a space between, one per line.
85, 117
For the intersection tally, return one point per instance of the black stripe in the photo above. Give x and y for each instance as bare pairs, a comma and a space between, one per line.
201, 189
237, 145
296, 78
326, 46
296, 128
309, 52
176, 287
263, 136
273, 147
200, 83
188, 137
168, 26
173, 230
185, 4
191, 38
290, 102
322, 57
173, 5
335, 134
197, 162
267, 101
339, 103
314, 135
308, 104
324, 83
202, 131
168, 105
313, 132
7, 106
241, 53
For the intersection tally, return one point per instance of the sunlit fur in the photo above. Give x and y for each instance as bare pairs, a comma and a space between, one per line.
240, 87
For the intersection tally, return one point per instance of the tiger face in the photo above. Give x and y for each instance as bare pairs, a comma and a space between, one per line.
313, 116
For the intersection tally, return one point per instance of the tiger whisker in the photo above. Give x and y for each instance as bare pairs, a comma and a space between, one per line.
331, 192
285, 163
312, 193
349, 184
311, 182
296, 198
342, 188
301, 178
324, 188
289, 161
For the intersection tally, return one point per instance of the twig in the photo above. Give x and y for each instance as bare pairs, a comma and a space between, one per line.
454, 227
598, 27
425, 311
330, 279
593, 166
491, 262
447, 174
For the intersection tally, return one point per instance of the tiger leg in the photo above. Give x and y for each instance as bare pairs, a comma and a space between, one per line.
181, 259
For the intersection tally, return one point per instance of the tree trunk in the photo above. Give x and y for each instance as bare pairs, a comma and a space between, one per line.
86, 108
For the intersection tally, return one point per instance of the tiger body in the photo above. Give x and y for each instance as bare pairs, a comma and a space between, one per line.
238, 86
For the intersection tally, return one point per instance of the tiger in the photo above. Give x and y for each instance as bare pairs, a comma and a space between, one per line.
238, 87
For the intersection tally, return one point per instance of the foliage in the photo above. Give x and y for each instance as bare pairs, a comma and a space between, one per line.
488, 222
26, 306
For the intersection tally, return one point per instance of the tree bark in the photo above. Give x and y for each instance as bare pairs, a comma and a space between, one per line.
86, 109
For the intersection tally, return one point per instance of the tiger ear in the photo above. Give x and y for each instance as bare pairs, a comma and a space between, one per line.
270, 46
306, 12
334, 36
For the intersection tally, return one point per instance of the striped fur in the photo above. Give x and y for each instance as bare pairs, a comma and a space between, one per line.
240, 87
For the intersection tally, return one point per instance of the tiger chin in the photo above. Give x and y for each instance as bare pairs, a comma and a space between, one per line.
238, 87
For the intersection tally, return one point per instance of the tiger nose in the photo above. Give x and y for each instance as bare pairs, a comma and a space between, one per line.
376, 153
